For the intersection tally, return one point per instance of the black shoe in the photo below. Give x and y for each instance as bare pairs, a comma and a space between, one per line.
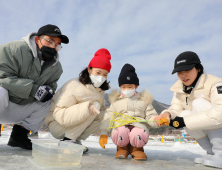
76, 142
19, 138
85, 150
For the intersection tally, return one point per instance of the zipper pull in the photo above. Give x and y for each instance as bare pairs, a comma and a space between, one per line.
186, 100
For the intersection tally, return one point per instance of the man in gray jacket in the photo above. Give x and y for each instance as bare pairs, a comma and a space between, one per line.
29, 71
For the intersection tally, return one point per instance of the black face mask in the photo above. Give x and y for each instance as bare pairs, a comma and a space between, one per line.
48, 53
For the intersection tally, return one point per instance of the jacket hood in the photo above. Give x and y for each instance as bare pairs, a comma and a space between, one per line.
144, 96
30, 40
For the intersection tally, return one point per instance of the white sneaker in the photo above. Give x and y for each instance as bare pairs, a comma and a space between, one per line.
206, 145
214, 161
215, 137
202, 159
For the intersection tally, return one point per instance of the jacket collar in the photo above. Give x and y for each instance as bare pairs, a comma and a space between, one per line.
30, 40
93, 89
178, 86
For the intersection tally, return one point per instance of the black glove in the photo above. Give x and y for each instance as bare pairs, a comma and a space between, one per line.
177, 122
43, 94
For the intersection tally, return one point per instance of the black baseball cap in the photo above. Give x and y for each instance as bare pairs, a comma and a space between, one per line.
52, 30
185, 61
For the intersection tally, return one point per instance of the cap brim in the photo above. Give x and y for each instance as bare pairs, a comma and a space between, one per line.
64, 39
183, 68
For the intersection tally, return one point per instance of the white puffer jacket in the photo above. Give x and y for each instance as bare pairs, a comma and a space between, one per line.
70, 105
208, 87
139, 106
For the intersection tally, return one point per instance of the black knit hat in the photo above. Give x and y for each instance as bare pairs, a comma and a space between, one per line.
185, 61
128, 75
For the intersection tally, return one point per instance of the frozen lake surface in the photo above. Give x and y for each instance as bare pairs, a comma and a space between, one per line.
167, 155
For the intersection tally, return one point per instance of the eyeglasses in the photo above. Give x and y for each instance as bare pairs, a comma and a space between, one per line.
53, 45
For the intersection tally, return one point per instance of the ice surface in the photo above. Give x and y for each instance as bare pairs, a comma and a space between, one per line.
167, 155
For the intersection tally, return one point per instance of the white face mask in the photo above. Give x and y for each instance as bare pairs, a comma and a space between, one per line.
128, 93
97, 80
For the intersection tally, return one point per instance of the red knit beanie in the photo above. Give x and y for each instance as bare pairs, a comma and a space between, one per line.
101, 59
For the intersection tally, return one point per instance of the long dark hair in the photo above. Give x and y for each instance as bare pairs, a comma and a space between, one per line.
198, 67
85, 79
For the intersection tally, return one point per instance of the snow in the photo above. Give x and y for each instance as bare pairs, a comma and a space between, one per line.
167, 155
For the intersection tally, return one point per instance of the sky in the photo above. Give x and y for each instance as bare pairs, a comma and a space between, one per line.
149, 34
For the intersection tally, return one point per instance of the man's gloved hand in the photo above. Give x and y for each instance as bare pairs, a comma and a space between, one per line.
177, 123
103, 141
43, 94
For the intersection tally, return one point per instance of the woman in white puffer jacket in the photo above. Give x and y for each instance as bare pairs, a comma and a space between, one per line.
78, 106
197, 106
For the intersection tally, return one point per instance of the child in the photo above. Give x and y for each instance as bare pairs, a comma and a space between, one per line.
131, 138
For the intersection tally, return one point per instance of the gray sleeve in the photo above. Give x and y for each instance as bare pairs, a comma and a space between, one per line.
9, 69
